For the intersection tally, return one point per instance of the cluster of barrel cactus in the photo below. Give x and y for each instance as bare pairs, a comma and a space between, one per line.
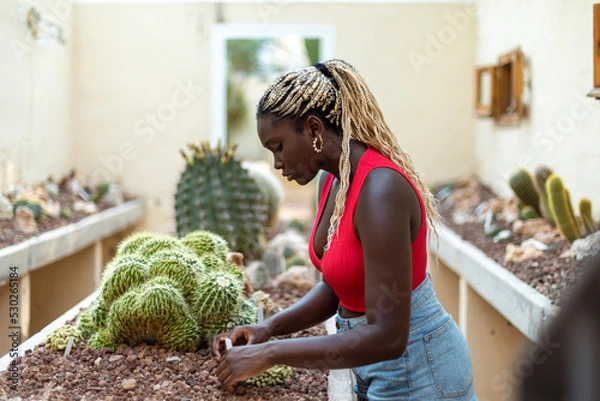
58, 339
216, 193
159, 290
274, 375
547, 197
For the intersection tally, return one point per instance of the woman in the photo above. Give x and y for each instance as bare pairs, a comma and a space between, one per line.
369, 241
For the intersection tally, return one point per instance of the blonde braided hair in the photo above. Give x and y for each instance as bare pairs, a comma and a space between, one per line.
337, 92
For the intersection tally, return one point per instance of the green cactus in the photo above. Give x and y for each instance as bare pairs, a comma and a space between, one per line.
205, 243
245, 313
132, 243
561, 208
274, 375
218, 296
521, 183
541, 176
527, 212
271, 189
217, 194
121, 274
57, 340
183, 268
161, 243
35, 208
587, 218
155, 312
102, 339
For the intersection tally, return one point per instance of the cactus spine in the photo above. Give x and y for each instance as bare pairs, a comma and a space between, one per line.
541, 176
562, 210
585, 211
217, 194
521, 183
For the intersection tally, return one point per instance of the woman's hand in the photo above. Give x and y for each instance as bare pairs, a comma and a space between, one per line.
240, 363
241, 335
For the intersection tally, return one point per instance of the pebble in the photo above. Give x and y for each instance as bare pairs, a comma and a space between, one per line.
115, 358
129, 384
173, 359
98, 361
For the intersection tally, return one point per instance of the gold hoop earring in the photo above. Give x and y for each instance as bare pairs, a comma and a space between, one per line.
318, 149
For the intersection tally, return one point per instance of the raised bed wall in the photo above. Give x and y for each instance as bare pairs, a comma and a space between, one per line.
498, 313
46, 275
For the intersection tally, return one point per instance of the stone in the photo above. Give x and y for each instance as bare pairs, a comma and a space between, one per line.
129, 384
25, 220
86, 207
6, 208
520, 253
295, 277
583, 247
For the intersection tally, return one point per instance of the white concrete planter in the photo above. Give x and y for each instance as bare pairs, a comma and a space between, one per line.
59, 243
527, 309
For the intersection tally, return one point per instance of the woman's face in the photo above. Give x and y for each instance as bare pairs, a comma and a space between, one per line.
292, 151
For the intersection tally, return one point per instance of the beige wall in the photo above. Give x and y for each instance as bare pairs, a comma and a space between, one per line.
129, 62
35, 95
563, 124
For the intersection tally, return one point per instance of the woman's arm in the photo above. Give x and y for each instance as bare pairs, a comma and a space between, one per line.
386, 211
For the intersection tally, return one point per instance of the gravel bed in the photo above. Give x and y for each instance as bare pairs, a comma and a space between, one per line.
148, 372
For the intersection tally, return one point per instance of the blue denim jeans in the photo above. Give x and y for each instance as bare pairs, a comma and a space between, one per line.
436, 364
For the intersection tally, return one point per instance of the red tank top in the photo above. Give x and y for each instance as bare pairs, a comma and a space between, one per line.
342, 264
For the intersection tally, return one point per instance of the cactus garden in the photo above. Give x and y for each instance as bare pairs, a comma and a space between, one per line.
539, 233
162, 297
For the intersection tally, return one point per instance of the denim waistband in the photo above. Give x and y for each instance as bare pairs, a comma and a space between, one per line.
418, 297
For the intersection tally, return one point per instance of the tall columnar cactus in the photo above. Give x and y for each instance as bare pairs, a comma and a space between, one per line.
587, 218
217, 194
560, 205
271, 189
521, 183
541, 176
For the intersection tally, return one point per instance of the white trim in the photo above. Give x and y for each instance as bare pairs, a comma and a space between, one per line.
219, 35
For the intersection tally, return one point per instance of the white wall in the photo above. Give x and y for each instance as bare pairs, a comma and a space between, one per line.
35, 95
129, 60
562, 126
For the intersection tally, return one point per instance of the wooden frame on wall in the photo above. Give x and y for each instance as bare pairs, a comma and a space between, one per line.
501, 95
485, 90
596, 53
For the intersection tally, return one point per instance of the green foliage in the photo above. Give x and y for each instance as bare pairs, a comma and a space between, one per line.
35, 208
215, 193
57, 340
312, 49
561, 208
521, 183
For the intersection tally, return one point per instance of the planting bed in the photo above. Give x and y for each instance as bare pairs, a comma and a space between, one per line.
550, 274
149, 372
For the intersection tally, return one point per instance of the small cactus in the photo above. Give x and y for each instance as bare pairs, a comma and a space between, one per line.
35, 208
585, 211
218, 296
102, 339
541, 176
122, 274
273, 376
160, 243
132, 243
521, 183
205, 243
528, 212
561, 208
57, 340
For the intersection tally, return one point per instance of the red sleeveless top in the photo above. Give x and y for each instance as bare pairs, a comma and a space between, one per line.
342, 264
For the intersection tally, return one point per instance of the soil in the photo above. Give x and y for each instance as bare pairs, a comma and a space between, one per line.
550, 274
9, 235
88, 374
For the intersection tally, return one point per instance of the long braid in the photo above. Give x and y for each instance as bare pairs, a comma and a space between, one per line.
344, 97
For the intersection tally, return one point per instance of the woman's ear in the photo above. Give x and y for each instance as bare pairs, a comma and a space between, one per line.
314, 125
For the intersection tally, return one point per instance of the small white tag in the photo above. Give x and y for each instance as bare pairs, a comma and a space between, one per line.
69, 345
228, 343
261, 314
